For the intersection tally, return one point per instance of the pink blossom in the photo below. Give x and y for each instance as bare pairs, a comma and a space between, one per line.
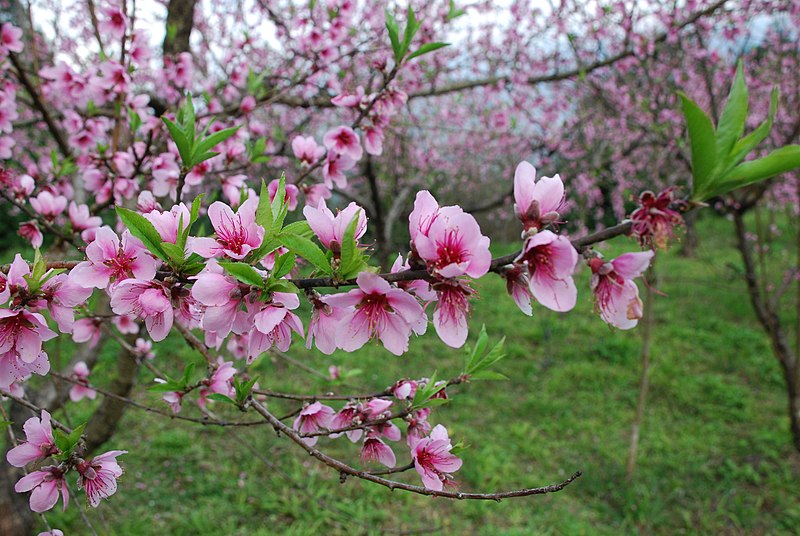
83, 222
30, 231
87, 330
22, 333
617, 296
38, 444
376, 450
126, 324
49, 205
112, 260
329, 228
518, 287
81, 389
418, 426
62, 295
433, 461
322, 327
316, 193
274, 324
114, 23
220, 382
449, 239
98, 476
144, 348
45, 485
14, 369
10, 39
149, 300
167, 222
343, 141
452, 312
404, 389
349, 415
334, 167
292, 192
655, 220
236, 234
536, 202
248, 104
312, 418
550, 260
173, 399
373, 140
306, 149
222, 297
375, 309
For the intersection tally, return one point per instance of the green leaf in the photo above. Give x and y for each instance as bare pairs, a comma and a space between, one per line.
744, 146
141, 228
5, 424
305, 248
168, 387
301, 228
279, 205
778, 161
411, 30
703, 143
206, 144
477, 352
731, 123
351, 260
219, 397
394, 34
181, 141
175, 252
243, 272
488, 375
283, 265
264, 210
187, 374
454, 13
427, 47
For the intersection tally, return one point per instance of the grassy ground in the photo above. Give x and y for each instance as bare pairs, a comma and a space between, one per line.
715, 455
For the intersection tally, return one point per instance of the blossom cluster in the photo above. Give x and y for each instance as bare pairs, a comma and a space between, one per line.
97, 476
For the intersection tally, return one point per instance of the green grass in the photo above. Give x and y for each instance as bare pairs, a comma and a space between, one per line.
715, 453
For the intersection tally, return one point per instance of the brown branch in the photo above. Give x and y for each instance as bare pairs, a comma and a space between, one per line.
39, 105
345, 469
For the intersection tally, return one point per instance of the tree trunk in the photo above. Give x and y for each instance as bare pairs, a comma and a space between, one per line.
180, 20
689, 244
105, 419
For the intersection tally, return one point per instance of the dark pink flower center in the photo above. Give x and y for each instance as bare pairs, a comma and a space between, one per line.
232, 235
450, 250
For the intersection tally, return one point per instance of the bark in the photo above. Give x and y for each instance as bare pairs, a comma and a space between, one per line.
105, 419
180, 21
767, 315
689, 244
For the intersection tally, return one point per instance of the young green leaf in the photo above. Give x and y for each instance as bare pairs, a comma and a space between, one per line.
243, 272
394, 34
182, 142
279, 205
141, 228
743, 147
703, 143
424, 49
305, 248
731, 122
778, 161
283, 265
411, 30
264, 210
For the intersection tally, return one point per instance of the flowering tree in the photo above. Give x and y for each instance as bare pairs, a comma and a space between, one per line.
135, 181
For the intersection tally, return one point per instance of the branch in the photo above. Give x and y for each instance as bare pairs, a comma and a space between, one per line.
345, 469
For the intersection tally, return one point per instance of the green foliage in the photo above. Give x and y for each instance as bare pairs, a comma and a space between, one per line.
401, 47
194, 148
479, 361
423, 397
176, 385
717, 154
243, 272
66, 443
141, 228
